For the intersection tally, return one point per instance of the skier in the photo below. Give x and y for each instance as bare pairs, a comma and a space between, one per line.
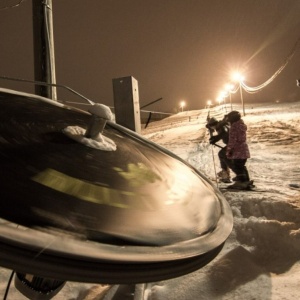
237, 150
222, 128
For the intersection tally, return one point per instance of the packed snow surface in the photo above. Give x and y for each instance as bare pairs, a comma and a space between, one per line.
260, 259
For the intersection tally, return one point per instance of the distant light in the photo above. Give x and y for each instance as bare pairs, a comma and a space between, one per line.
229, 87
182, 105
219, 100
223, 95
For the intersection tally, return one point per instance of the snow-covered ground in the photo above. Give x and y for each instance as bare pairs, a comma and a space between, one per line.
260, 259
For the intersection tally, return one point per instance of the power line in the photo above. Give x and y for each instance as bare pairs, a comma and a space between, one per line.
260, 87
13, 5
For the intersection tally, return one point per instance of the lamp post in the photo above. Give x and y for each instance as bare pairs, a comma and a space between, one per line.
224, 102
229, 88
182, 105
221, 99
208, 104
242, 100
240, 78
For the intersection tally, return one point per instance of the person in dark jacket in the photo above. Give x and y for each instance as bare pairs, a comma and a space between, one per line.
222, 130
237, 148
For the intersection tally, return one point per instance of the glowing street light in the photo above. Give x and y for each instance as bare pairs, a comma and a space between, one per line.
219, 100
240, 78
182, 105
208, 103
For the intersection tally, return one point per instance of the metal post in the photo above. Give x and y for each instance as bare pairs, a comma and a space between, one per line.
242, 99
127, 103
43, 46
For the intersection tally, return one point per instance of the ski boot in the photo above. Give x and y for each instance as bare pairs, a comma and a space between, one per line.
224, 176
242, 185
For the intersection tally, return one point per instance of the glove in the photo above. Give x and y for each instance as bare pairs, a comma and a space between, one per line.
212, 140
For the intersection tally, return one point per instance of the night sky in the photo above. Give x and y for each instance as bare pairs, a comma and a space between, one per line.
176, 49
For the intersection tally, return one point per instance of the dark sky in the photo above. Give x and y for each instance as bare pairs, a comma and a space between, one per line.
176, 49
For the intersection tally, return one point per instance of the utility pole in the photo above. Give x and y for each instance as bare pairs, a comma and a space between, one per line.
43, 48
44, 71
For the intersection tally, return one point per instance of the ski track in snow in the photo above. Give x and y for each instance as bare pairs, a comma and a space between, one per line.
260, 259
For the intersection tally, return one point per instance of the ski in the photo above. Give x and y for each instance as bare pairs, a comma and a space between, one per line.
248, 187
228, 189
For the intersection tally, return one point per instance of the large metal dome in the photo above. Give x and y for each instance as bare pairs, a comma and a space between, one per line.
72, 212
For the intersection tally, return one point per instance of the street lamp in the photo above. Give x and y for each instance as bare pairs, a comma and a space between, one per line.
240, 78
229, 88
208, 103
221, 99
182, 105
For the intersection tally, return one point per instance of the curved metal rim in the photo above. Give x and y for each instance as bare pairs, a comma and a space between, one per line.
48, 254
63, 268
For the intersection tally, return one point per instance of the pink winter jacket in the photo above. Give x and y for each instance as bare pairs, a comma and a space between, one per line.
237, 147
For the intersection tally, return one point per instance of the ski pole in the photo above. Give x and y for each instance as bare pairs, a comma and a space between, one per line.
218, 146
213, 156
212, 149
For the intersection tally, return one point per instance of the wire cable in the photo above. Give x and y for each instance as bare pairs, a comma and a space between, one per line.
263, 85
12, 6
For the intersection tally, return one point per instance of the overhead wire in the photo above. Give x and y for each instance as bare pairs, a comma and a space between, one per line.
12, 6
280, 69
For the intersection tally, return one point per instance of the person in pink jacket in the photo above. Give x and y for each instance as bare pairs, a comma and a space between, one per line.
237, 148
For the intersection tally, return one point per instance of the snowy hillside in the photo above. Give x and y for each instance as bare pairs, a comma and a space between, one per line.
260, 259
